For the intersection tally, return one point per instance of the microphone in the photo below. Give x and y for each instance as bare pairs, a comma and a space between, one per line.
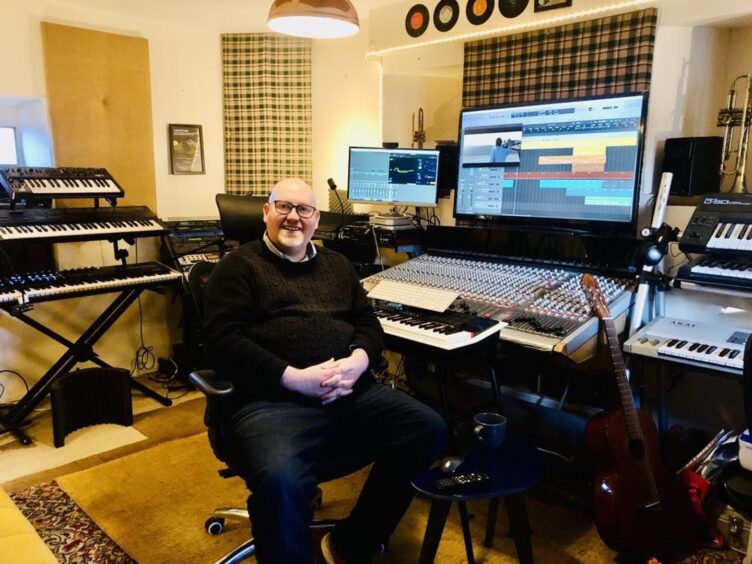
333, 186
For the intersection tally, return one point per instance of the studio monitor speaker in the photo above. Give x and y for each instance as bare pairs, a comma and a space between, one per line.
449, 158
695, 163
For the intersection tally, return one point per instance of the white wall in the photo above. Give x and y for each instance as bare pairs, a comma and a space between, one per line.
345, 91
439, 97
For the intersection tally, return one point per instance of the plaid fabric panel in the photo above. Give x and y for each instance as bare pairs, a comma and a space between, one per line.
604, 56
267, 111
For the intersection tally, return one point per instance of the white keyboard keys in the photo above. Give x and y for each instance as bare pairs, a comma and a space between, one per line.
433, 299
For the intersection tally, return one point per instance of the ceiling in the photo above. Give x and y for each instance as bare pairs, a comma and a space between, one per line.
238, 16
226, 16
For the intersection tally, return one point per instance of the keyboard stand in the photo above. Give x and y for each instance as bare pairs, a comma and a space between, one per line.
79, 351
441, 358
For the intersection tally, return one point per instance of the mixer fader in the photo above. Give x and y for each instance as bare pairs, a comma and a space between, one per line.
543, 307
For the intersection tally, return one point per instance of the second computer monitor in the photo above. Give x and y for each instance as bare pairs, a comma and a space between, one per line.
398, 177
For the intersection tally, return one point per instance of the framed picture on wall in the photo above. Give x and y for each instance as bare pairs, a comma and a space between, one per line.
542, 5
186, 149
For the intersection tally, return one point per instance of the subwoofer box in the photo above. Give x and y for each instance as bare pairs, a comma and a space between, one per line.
695, 163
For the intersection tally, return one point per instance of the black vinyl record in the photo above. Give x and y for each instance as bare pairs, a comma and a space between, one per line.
416, 21
446, 14
512, 8
478, 11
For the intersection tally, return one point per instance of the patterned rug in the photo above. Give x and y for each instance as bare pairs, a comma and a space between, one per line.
69, 533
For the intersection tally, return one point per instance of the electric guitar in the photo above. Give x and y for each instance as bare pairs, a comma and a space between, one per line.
640, 508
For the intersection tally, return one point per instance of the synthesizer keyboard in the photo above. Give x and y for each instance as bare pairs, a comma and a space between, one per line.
721, 225
10, 297
732, 274
542, 307
78, 224
62, 182
693, 343
50, 285
448, 330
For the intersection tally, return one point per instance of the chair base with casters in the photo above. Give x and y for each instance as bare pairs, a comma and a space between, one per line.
215, 391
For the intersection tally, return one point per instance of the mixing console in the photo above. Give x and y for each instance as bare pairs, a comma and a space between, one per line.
543, 307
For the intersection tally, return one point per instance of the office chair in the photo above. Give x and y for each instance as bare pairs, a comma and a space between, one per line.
218, 392
242, 217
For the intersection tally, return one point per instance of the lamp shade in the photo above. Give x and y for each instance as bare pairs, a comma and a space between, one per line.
314, 18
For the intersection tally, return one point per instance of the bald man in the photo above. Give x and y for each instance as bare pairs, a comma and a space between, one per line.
290, 325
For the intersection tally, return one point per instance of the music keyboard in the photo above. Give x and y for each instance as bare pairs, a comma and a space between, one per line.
693, 343
77, 224
448, 330
60, 182
49, 285
732, 236
733, 274
720, 225
10, 297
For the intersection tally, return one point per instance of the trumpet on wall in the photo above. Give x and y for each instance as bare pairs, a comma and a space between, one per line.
729, 118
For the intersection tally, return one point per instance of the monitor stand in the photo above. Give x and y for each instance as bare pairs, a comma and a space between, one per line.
391, 220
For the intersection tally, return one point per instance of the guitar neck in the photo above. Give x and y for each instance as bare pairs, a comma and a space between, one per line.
622, 382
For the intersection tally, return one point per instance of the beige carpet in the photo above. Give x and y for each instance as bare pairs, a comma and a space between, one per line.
17, 460
153, 504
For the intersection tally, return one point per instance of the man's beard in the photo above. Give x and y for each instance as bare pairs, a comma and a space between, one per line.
291, 239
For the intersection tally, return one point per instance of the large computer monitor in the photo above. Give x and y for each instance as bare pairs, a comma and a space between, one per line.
398, 177
571, 164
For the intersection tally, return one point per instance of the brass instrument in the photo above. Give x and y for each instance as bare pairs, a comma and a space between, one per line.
730, 117
419, 135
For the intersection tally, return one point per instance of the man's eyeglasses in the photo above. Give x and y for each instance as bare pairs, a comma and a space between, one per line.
304, 210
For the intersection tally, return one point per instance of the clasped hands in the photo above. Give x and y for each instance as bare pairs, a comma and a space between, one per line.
329, 380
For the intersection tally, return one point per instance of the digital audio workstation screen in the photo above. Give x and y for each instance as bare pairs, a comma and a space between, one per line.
575, 160
393, 176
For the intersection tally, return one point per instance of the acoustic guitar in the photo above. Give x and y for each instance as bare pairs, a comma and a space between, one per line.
640, 508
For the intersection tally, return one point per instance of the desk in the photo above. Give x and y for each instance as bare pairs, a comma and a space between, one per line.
514, 468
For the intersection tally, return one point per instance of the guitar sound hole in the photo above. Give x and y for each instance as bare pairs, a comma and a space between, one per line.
637, 449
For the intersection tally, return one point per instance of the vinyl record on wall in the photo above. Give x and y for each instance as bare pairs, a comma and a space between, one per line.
446, 14
512, 8
478, 11
416, 21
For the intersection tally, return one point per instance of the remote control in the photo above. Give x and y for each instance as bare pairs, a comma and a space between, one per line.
460, 483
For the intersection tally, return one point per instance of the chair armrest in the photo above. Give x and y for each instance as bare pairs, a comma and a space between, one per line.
381, 365
207, 381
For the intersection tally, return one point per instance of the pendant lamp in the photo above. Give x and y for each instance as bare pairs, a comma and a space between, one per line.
317, 19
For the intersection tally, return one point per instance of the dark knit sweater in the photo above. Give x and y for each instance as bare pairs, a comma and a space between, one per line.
263, 313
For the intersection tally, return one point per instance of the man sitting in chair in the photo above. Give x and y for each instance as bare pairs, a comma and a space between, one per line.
291, 327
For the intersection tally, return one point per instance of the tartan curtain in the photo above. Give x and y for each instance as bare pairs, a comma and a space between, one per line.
604, 56
267, 110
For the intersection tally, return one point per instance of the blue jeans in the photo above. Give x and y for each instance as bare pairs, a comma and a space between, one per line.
283, 449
